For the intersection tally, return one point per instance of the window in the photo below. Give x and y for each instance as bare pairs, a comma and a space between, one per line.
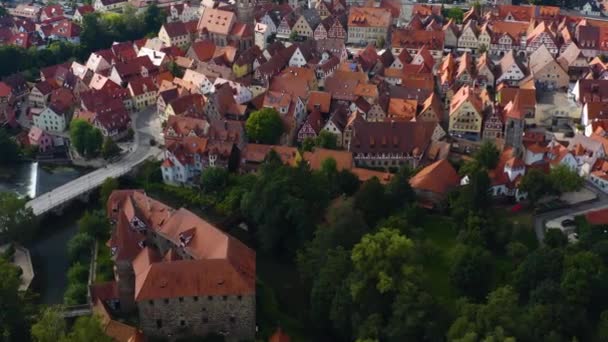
181, 299
182, 323
151, 302
232, 319
205, 320
209, 298
159, 323
166, 301
239, 297
225, 298
195, 298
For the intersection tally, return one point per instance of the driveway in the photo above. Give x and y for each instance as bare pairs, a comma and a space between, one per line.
600, 203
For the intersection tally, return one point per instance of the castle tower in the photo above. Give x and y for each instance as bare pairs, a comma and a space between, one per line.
244, 11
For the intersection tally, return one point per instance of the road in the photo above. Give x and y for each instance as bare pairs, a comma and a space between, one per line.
600, 203
145, 126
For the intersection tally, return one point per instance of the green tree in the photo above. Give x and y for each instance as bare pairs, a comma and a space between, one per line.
94, 224
154, 18
264, 126
174, 69
562, 179
16, 221
105, 190
14, 322
581, 270
470, 269
109, 148
79, 247
536, 184
487, 156
284, 204
500, 315
602, 327
555, 238
372, 201
344, 227
327, 282
50, 326
293, 36
85, 138
308, 145
75, 294
78, 273
540, 265
347, 182
214, 179
87, 328
9, 148
327, 140
399, 191
455, 13
381, 261
380, 41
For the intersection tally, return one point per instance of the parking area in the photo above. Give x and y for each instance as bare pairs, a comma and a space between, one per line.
556, 109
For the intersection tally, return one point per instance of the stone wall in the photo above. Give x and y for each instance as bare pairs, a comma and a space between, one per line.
186, 316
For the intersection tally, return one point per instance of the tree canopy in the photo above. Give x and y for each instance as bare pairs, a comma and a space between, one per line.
17, 223
264, 126
85, 138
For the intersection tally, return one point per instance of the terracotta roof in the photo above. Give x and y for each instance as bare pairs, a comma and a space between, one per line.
344, 159
416, 39
85, 9
141, 85
465, 93
204, 50
257, 153
216, 21
391, 137
189, 278
597, 217
279, 336
369, 17
175, 29
319, 99
295, 81
366, 174
186, 125
400, 109
46, 87
439, 177
191, 104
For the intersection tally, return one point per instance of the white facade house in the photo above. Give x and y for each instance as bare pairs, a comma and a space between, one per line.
176, 171
49, 120
297, 59
512, 73
261, 34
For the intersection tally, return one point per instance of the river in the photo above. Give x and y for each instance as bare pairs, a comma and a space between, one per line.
49, 252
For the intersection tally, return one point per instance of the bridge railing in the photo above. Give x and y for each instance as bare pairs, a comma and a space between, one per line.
67, 192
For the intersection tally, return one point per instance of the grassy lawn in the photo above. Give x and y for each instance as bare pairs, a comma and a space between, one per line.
281, 299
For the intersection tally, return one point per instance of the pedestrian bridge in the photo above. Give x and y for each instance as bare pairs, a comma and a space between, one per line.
62, 195
76, 311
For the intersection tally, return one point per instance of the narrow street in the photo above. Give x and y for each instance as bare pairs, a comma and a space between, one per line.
600, 203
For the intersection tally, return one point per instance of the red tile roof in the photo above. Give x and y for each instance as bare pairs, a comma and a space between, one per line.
439, 177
